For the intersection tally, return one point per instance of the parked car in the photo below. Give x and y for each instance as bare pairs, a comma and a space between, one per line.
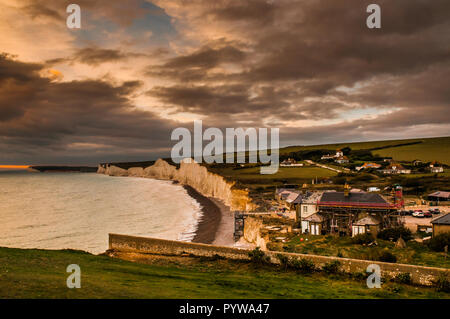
435, 211
410, 212
427, 214
419, 214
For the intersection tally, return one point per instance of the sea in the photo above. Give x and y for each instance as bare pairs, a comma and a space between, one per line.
79, 210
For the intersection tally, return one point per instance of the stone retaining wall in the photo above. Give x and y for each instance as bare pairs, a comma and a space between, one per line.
419, 274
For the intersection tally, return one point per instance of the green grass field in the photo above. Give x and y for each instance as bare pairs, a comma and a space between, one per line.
429, 149
251, 177
42, 274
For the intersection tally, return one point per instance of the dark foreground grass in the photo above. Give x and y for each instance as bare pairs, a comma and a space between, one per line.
42, 274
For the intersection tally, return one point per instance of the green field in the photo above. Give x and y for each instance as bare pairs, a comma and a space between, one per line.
429, 149
42, 274
286, 173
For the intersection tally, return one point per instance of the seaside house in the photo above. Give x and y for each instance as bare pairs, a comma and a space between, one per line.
312, 224
308, 206
290, 198
395, 168
340, 211
366, 225
293, 201
441, 224
436, 167
290, 162
338, 154
342, 160
367, 166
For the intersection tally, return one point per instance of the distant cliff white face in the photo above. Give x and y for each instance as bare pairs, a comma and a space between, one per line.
192, 174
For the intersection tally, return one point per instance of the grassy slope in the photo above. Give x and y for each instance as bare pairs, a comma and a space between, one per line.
41, 274
430, 149
296, 173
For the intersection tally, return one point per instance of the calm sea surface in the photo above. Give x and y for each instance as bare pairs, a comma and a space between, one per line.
77, 210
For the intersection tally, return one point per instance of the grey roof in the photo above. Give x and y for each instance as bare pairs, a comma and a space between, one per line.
442, 220
369, 198
294, 198
315, 218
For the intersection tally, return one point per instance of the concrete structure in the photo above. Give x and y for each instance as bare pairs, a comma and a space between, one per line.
441, 224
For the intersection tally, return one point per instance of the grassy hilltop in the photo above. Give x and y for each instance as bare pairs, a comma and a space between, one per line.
425, 149
421, 181
42, 274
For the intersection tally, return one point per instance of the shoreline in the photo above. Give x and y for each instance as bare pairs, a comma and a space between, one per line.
216, 225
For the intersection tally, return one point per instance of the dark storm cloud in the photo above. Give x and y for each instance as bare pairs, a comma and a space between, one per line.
118, 11
256, 11
217, 99
249, 63
95, 56
194, 66
304, 52
89, 117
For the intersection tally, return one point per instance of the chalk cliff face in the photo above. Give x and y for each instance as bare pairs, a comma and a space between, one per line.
161, 170
136, 171
252, 232
192, 174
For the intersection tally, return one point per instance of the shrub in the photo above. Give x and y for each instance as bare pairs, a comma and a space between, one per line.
438, 242
257, 256
403, 278
359, 275
289, 249
395, 233
443, 283
362, 239
387, 256
284, 261
332, 267
303, 265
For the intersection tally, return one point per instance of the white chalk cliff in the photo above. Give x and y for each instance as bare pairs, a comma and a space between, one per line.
191, 174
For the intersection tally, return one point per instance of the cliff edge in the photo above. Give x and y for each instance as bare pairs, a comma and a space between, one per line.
192, 174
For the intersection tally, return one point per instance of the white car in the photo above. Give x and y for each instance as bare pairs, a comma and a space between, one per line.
418, 213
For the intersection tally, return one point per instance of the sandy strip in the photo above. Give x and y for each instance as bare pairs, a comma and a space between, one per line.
217, 223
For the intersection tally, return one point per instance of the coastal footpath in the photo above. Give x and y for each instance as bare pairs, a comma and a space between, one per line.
191, 174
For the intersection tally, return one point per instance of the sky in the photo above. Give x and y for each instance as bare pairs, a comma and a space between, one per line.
115, 89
